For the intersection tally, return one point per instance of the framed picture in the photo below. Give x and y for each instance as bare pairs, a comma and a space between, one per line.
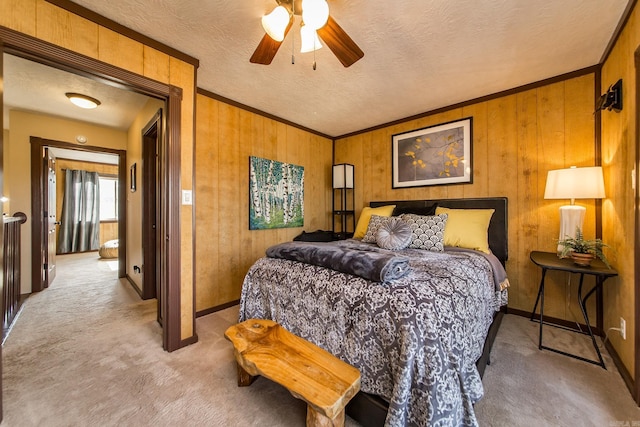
436, 155
132, 178
276, 194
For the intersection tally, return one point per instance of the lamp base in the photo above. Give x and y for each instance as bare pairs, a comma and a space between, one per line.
571, 218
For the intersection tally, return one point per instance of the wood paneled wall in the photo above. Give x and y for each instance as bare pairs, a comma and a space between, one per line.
516, 140
619, 136
225, 247
108, 230
60, 27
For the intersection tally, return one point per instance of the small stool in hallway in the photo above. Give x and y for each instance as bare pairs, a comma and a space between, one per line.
324, 382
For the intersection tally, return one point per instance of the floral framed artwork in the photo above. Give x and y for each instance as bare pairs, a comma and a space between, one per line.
436, 155
276, 194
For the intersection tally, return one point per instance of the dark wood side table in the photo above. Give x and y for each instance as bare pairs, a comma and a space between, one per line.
550, 261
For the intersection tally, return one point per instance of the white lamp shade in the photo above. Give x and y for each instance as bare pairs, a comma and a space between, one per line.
343, 176
575, 183
275, 24
315, 13
309, 39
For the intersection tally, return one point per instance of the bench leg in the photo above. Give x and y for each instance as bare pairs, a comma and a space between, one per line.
317, 419
244, 378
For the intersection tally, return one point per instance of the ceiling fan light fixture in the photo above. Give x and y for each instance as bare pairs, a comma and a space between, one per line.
275, 24
309, 40
82, 101
315, 13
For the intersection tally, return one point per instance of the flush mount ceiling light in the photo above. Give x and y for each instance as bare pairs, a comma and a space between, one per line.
314, 18
82, 101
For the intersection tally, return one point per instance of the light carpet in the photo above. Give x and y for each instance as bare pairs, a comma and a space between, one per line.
88, 351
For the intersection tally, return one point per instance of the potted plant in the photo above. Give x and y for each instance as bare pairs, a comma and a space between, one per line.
583, 251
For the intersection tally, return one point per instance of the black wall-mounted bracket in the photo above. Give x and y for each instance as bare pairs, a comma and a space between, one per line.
611, 99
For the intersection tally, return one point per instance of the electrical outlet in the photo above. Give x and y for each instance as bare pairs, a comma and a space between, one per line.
623, 328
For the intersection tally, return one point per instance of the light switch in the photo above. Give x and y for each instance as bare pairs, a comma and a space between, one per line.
186, 197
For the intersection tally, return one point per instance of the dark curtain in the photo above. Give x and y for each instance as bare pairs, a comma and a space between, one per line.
80, 223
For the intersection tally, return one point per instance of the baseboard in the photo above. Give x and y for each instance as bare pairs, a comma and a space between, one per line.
216, 308
568, 324
7, 330
624, 373
133, 285
188, 341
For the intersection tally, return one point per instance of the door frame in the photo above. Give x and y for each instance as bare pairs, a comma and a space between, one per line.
636, 233
29, 47
38, 225
151, 134
50, 218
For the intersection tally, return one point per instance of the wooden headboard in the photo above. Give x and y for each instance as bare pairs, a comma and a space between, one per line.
498, 242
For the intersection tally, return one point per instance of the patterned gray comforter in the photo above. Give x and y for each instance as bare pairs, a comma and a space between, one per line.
415, 339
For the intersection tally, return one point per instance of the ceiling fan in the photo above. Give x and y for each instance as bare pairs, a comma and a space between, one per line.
278, 23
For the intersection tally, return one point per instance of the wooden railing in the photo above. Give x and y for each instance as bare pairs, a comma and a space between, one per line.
11, 267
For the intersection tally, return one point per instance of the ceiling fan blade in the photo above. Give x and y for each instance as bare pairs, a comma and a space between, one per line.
268, 47
343, 47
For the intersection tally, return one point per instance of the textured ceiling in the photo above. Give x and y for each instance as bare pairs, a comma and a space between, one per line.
419, 54
31, 86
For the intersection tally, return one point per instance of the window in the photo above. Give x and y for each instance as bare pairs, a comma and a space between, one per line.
108, 198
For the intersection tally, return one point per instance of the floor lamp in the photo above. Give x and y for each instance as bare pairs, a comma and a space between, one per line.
573, 183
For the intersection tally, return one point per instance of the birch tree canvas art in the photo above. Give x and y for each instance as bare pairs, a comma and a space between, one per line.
276, 194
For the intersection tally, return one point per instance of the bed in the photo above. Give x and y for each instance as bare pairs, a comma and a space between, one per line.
420, 340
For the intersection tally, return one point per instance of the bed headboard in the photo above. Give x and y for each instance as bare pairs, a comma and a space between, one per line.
497, 226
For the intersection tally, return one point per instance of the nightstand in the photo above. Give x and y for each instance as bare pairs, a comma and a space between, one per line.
550, 261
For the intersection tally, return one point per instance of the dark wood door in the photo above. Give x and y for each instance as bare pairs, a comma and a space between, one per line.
151, 187
50, 218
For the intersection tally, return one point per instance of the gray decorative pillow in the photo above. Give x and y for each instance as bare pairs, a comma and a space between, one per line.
374, 223
427, 232
394, 234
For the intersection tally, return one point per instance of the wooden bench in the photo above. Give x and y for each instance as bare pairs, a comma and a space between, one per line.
324, 382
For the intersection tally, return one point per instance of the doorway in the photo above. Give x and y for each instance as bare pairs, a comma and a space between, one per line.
152, 186
43, 200
168, 161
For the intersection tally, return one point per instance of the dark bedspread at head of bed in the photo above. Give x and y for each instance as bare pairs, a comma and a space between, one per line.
498, 242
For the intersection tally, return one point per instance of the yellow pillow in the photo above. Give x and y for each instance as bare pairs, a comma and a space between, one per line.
467, 228
365, 216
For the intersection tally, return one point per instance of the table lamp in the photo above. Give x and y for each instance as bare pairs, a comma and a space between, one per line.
573, 183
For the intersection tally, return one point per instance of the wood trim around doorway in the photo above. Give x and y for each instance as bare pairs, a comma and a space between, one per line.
636, 240
28, 47
37, 190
